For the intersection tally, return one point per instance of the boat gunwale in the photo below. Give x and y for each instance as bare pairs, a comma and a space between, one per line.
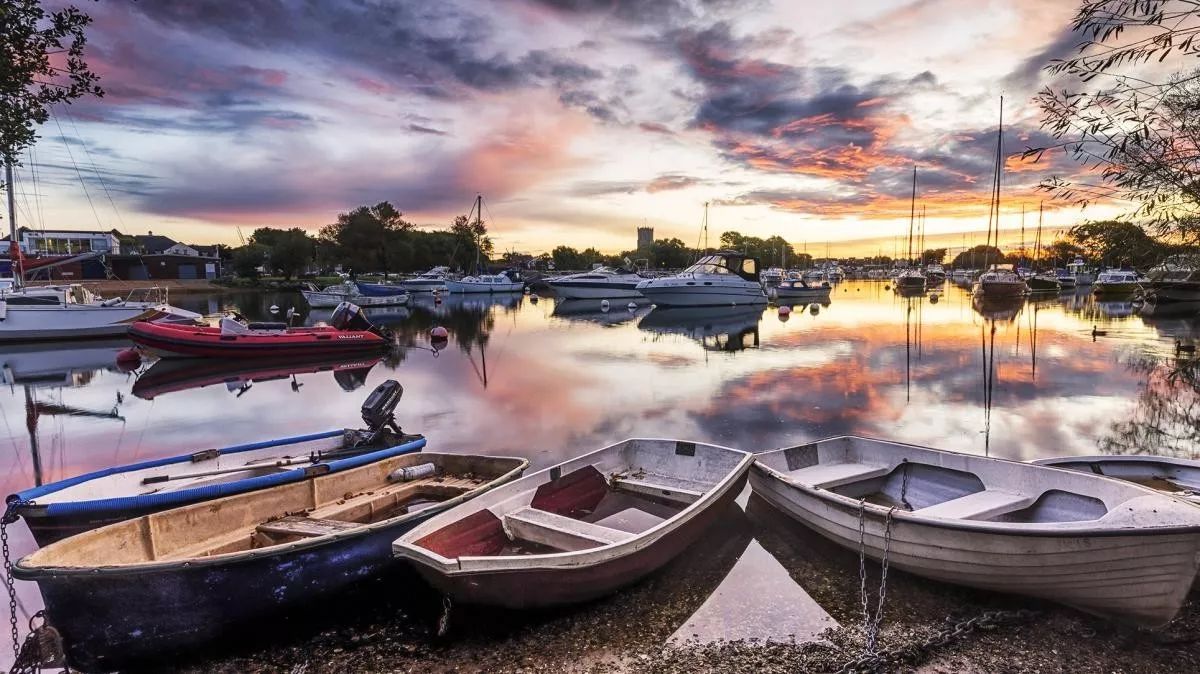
28, 505
33, 573
1038, 529
407, 548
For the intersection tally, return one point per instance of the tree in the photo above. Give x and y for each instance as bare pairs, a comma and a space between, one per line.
979, 257
43, 65
474, 245
1061, 252
247, 259
933, 256
1114, 243
566, 257
363, 238
1136, 136
291, 251
265, 236
669, 254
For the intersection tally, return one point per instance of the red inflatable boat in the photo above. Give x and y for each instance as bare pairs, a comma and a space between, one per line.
235, 339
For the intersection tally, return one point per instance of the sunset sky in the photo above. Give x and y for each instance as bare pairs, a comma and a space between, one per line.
577, 120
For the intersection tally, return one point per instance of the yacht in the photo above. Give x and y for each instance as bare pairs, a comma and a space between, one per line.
1116, 282
434, 279
331, 296
72, 311
772, 276
1000, 281
910, 279
723, 278
1083, 275
1065, 278
486, 283
1043, 282
1177, 279
935, 273
794, 287
599, 283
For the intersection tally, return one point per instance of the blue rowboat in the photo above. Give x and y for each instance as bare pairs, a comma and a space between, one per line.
77, 504
150, 587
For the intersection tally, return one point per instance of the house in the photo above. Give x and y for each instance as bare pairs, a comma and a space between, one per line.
68, 242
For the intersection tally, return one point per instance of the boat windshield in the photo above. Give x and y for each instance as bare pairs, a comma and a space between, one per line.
725, 264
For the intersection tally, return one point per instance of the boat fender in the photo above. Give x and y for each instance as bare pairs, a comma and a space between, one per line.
603, 305
274, 308
112, 302
439, 332
130, 356
785, 310
631, 306
933, 299
409, 473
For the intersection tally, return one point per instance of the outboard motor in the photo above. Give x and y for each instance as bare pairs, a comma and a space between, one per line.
378, 413
349, 316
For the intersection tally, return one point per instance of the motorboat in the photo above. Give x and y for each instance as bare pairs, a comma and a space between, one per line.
486, 283
60, 509
772, 276
1177, 279
1116, 282
349, 332
1040, 282
181, 578
910, 280
351, 291
72, 311
1081, 272
794, 287
599, 283
434, 279
723, 278
1103, 546
578, 530
1176, 477
1000, 281
935, 273
1066, 280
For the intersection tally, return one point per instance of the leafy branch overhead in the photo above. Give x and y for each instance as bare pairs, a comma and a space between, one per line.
43, 65
1136, 129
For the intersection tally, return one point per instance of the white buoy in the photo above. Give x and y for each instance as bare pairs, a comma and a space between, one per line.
631, 306
604, 305
274, 308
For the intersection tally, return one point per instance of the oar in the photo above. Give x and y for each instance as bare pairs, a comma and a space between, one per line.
314, 458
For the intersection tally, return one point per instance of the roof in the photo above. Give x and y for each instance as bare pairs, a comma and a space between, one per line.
212, 250
153, 243
44, 232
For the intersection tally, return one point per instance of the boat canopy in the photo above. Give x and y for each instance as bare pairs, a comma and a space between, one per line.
726, 262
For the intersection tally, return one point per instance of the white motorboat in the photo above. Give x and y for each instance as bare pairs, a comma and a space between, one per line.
724, 278
1116, 282
911, 280
1066, 280
72, 311
794, 287
1100, 545
600, 283
1000, 281
332, 296
1177, 477
772, 276
1177, 279
935, 273
485, 283
434, 279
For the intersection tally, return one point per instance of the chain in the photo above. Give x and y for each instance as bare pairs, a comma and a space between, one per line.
876, 661
10, 516
871, 624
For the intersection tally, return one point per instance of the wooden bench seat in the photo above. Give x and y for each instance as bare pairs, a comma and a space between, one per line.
556, 531
306, 527
980, 505
660, 487
829, 475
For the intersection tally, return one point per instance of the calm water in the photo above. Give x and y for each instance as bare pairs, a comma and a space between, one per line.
549, 380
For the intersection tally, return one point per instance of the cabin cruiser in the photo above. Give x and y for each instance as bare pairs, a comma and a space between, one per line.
1066, 279
1116, 282
794, 287
1175, 280
487, 283
723, 278
599, 283
1082, 274
434, 279
935, 273
910, 279
772, 276
1044, 282
1000, 281
332, 296
72, 311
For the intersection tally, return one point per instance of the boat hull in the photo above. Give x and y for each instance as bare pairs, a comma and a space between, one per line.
679, 295
534, 587
22, 323
1043, 284
1143, 576
783, 292
594, 291
422, 286
324, 300
171, 342
1177, 291
987, 289
461, 287
1115, 288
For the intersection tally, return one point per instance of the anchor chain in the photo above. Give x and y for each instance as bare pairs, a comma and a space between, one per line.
10, 516
871, 624
43, 648
954, 630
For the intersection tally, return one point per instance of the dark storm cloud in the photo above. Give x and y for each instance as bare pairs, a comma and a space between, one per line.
1030, 73
417, 128
642, 11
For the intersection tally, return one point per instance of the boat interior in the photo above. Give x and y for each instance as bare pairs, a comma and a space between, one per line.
1160, 475
948, 485
582, 507
328, 504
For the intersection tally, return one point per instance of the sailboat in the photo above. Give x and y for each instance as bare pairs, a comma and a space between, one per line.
1041, 281
484, 283
1000, 280
911, 279
71, 311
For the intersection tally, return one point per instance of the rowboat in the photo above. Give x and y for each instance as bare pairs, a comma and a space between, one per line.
59, 509
578, 530
1103, 546
351, 333
1176, 477
180, 578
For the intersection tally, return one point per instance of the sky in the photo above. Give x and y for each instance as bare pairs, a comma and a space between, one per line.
577, 120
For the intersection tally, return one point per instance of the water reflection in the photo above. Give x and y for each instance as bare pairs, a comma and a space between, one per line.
602, 312
1166, 416
237, 376
728, 329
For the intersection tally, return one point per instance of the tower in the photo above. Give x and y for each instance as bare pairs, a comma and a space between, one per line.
645, 238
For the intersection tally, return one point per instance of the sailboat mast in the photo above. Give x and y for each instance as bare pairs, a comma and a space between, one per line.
912, 215
1037, 242
18, 274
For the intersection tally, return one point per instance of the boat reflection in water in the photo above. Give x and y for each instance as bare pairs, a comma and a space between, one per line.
716, 328
171, 375
1002, 308
599, 311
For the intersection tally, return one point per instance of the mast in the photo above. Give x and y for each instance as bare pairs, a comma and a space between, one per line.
17, 272
994, 206
479, 223
1037, 240
912, 215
